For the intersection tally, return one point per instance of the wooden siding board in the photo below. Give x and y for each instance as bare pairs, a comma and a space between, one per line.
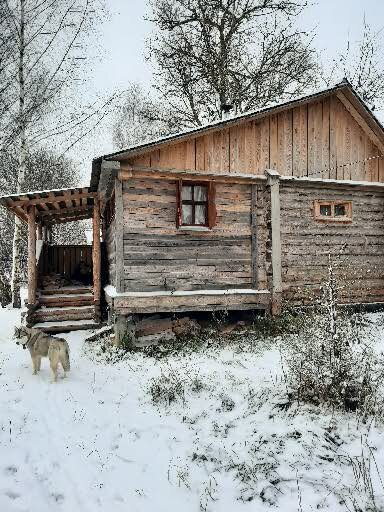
312, 171
325, 145
318, 139
274, 142
285, 150
333, 120
380, 162
200, 154
237, 149
299, 149
265, 153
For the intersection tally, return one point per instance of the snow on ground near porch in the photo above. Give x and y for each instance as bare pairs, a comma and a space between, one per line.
96, 442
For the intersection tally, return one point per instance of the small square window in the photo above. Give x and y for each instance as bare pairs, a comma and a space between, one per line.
340, 210
326, 210
333, 211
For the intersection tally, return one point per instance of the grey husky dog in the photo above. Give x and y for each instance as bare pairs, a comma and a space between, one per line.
41, 345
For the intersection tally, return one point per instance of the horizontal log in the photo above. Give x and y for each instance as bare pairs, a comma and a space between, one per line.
185, 303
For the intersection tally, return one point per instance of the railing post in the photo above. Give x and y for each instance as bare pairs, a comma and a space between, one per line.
273, 182
32, 271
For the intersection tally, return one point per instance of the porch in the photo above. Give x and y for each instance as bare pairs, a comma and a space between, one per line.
64, 281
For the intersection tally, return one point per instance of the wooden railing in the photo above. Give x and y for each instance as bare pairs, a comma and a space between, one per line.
64, 259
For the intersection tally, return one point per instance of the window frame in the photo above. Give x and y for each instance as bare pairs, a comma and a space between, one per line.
210, 204
193, 203
343, 219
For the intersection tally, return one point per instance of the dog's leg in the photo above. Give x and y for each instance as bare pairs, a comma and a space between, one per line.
38, 363
54, 364
64, 364
35, 365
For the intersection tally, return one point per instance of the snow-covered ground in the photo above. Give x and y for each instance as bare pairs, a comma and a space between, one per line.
98, 442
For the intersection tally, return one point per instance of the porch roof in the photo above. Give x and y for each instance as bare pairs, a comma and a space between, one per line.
53, 206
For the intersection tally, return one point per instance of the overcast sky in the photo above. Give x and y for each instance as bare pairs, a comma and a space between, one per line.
123, 35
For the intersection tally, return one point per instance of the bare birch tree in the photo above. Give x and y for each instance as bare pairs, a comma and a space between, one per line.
44, 170
43, 57
362, 64
210, 53
139, 118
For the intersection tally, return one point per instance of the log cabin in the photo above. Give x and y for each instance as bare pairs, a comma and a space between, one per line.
241, 214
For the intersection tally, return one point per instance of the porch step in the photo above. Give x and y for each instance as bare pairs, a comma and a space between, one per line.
66, 326
47, 314
67, 291
62, 300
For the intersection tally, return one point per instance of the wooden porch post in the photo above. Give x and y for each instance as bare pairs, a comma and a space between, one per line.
273, 181
96, 253
32, 271
39, 231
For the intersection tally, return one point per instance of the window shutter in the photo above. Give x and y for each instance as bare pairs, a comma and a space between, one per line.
178, 203
212, 214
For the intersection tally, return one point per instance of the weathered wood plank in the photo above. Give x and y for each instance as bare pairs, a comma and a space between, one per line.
254, 247
32, 270
119, 236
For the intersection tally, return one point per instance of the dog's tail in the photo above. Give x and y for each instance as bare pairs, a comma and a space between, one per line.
66, 361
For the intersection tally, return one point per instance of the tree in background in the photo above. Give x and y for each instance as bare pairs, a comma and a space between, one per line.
362, 65
139, 118
247, 53
45, 171
42, 56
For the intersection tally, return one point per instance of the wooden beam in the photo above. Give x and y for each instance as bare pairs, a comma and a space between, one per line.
277, 285
52, 199
119, 236
50, 221
39, 231
126, 173
19, 212
361, 121
96, 253
254, 244
32, 270
68, 200
57, 213
42, 205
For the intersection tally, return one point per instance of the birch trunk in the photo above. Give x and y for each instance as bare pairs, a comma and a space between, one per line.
16, 248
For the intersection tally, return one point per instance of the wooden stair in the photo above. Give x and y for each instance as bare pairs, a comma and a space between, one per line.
65, 310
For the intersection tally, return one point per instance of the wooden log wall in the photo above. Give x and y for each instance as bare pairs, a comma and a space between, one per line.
64, 259
357, 248
158, 256
110, 245
318, 139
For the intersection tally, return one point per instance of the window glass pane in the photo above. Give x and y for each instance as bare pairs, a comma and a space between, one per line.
200, 214
340, 210
186, 214
200, 193
186, 193
325, 210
